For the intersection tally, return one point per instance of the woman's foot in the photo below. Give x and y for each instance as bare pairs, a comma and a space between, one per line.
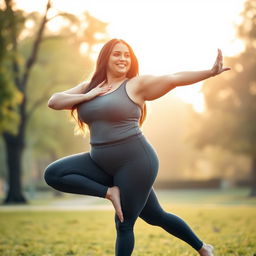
113, 194
206, 250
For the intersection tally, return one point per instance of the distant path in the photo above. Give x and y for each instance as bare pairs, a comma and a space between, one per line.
72, 204
55, 208
206, 198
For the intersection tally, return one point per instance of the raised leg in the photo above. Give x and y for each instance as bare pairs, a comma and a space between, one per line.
78, 174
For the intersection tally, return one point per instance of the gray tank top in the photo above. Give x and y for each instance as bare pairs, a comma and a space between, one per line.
111, 117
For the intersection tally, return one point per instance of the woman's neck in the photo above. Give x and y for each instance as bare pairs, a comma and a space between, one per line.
114, 80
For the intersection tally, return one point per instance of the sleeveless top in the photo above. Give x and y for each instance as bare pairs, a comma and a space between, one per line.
111, 117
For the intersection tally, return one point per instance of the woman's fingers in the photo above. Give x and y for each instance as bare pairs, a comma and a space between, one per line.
99, 85
225, 69
221, 69
218, 65
103, 90
219, 52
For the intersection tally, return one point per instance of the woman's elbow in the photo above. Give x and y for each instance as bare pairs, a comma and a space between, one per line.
52, 102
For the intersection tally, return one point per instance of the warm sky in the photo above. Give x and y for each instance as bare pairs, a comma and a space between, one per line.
167, 35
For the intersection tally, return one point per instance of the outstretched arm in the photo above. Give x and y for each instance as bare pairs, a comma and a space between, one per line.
153, 87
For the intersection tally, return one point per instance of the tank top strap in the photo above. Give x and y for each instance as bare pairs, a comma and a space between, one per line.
125, 82
123, 85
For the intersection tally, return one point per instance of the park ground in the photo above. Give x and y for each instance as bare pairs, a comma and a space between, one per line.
84, 226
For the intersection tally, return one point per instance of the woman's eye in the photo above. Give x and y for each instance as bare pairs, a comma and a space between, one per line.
118, 54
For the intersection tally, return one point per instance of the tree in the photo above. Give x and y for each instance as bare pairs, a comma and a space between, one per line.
20, 68
231, 100
10, 96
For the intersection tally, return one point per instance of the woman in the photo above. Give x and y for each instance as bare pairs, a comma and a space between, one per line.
121, 165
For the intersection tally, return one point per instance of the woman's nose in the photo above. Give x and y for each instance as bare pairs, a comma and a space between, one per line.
122, 57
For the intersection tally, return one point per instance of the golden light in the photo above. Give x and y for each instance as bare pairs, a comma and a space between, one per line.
167, 36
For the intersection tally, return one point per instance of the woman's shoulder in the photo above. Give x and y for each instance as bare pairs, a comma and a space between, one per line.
133, 90
135, 82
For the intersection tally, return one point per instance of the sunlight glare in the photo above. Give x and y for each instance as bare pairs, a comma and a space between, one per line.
167, 36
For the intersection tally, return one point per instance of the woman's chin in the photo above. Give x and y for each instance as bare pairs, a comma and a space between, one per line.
121, 72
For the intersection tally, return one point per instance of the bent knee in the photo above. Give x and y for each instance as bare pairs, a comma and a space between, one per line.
50, 175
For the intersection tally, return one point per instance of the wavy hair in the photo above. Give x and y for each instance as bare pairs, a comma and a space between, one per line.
100, 75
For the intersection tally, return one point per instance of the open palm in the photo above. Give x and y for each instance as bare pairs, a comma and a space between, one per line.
218, 65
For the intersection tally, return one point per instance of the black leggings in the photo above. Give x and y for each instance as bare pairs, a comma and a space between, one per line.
132, 165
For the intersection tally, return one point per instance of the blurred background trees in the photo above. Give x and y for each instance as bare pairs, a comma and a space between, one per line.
229, 121
35, 62
37, 59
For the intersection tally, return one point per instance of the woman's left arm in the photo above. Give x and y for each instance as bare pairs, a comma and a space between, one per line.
153, 87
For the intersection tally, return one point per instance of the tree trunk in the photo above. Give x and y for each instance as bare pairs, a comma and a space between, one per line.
14, 145
14, 149
253, 178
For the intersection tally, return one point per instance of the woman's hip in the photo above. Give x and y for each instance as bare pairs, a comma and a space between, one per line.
135, 151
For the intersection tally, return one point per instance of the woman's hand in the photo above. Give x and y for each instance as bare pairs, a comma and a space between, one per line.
217, 67
69, 98
98, 90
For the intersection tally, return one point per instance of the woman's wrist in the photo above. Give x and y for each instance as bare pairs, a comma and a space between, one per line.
87, 96
212, 73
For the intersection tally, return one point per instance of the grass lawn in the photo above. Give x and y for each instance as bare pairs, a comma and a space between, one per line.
229, 227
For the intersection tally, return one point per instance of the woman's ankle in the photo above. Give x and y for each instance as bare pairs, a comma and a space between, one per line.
108, 194
206, 250
202, 247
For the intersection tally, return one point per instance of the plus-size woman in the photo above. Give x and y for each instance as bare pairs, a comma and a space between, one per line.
121, 165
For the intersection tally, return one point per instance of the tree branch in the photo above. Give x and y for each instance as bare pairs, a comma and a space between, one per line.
13, 31
45, 96
69, 16
31, 60
54, 37
37, 103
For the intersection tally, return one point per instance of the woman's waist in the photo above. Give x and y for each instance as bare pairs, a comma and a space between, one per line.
105, 142
134, 151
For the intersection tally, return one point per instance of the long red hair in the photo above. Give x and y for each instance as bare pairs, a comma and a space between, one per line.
100, 75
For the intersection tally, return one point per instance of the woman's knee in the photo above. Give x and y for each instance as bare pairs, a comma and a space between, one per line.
124, 227
50, 174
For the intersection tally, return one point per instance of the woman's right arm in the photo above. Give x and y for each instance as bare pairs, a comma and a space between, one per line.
67, 99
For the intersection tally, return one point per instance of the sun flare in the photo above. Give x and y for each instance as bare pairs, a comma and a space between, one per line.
167, 36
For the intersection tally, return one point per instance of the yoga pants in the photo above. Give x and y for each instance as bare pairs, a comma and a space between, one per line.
132, 165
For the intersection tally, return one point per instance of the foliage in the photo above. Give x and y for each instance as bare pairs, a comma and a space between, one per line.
247, 28
230, 121
10, 96
32, 76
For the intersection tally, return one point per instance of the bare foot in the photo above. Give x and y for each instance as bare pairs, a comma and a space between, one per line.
206, 250
113, 194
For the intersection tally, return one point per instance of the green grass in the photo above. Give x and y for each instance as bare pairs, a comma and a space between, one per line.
224, 218
231, 229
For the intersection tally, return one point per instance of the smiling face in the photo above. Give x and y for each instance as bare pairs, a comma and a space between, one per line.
119, 61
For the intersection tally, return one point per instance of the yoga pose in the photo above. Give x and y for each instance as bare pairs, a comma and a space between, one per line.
121, 165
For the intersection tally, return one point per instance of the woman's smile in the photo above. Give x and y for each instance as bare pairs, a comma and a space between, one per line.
119, 60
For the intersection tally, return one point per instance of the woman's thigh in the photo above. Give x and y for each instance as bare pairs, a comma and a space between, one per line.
133, 164
152, 210
79, 164
135, 182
